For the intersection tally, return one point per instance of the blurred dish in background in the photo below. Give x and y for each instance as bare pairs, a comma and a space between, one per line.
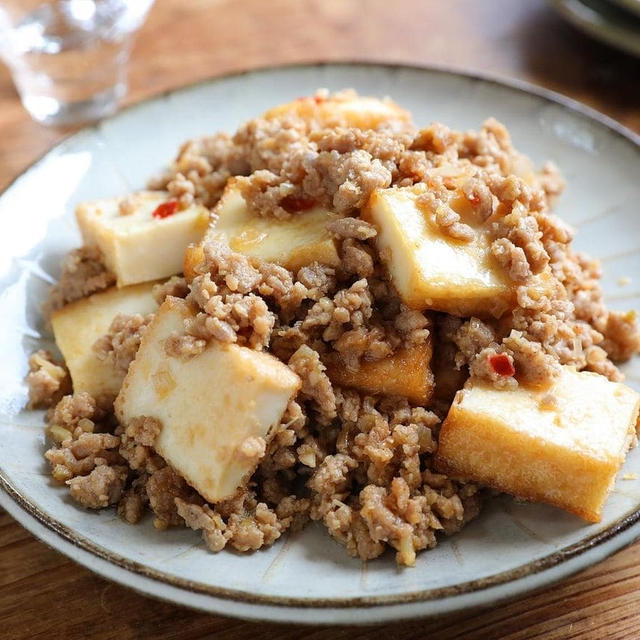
68, 58
605, 21
630, 5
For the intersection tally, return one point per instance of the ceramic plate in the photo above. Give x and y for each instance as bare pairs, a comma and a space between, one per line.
511, 548
614, 25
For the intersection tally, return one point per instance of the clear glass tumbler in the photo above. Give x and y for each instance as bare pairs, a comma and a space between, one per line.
69, 58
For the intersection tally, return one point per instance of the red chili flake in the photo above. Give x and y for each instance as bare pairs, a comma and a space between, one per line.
501, 364
294, 204
165, 209
316, 99
474, 200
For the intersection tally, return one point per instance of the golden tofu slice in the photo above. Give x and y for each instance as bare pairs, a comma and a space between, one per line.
343, 109
79, 324
429, 269
141, 246
291, 243
217, 409
404, 373
193, 257
563, 446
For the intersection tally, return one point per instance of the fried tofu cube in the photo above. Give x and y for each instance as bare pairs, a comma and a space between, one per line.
404, 373
138, 246
342, 109
79, 324
564, 445
217, 409
431, 270
291, 243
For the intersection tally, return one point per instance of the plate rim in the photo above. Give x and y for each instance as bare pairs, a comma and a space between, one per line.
553, 560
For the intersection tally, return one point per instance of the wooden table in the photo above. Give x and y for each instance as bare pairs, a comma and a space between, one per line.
42, 594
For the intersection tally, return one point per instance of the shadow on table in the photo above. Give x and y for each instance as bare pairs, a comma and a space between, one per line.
560, 57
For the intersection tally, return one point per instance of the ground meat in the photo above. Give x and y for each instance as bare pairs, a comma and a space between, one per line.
470, 337
182, 189
77, 426
357, 259
242, 522
47, 380
119, 345
244, 319
203, 518
136, 444
83, 273
436, 205
621, 336
73, 408
342, 182
134, 500
352, 228
315, 383
101, 488
360, 464
163, 489
201, 170
511, 258
483, 367
551, 182
268, 194
349, 308
533, 365
176, 286
413, 326
253, 528
480, 197
382, 448
270, 143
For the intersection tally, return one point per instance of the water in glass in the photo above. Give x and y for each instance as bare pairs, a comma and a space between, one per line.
68, 58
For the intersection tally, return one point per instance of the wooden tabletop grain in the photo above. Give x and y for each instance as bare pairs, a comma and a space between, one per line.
45, 595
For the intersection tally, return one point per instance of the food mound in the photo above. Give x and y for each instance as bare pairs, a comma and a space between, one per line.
334, 315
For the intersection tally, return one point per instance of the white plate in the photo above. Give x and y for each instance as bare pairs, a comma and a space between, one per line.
511, 548
617, 26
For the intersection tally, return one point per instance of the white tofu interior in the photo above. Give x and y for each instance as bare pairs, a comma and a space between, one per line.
563, 445
429, 269
291, 243
138, 247
209, 405
590, 413
79, 324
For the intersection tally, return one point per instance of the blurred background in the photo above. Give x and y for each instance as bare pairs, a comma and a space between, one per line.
185, 41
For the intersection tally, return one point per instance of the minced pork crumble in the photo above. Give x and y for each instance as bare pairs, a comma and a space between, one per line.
361, 465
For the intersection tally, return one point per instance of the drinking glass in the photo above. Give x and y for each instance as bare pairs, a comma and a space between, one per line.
68, 58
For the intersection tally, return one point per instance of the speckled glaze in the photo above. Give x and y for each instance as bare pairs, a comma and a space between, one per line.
511, 548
